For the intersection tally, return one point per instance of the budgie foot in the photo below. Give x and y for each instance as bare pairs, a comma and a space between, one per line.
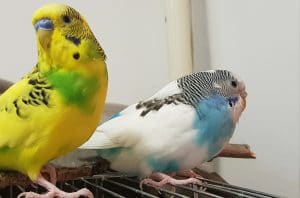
161, 179
54, 192
189, 173
50, 170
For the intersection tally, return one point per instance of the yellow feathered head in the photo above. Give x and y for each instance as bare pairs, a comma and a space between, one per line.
64, 37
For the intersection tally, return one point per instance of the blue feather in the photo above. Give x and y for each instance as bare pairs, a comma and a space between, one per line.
214, 123
114, 116
233, 99
160, 165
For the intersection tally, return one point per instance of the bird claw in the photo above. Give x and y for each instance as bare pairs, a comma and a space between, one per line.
189, 173
32, 195
166, 179
53, 191
51, 171
84, 192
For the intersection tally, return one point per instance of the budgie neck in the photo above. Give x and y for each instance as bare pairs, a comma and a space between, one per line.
89, 64
214, 123
76, 86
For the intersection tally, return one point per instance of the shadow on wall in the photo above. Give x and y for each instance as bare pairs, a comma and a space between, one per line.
201, 49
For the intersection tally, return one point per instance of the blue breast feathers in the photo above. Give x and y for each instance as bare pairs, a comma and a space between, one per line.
161, 165
214, 123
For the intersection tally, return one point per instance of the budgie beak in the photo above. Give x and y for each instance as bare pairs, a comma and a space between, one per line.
240, 106
44, 24
243, 94
44, 29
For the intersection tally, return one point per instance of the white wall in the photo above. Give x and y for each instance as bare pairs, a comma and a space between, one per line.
132, 33
259, 40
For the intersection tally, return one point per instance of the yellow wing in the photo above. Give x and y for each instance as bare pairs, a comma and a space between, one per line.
22, 125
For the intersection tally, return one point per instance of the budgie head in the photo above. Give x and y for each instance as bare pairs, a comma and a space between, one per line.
214, 83
65, 39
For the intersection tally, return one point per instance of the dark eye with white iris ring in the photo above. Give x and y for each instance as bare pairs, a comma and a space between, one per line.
234, 83
66, 19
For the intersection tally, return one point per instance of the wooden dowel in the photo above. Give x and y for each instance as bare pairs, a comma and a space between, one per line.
237, 151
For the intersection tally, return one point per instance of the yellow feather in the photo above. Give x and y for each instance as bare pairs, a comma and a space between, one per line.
41, 120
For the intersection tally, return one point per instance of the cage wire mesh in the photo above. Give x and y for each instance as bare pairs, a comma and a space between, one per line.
113, 184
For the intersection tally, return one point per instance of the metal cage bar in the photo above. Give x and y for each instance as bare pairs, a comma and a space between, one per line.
112, 184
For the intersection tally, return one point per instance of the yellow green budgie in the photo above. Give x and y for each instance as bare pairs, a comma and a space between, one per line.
57, 106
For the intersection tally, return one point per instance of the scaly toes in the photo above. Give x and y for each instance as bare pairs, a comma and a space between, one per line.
84, 192
33, 195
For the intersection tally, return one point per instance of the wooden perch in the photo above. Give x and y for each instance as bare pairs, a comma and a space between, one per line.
237, 151
63, 174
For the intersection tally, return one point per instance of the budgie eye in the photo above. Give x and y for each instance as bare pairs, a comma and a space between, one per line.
66, 19
234, 83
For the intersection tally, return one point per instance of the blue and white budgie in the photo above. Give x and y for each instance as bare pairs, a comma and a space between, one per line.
183, 125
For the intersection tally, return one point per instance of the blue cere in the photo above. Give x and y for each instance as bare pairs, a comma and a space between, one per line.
44, 24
